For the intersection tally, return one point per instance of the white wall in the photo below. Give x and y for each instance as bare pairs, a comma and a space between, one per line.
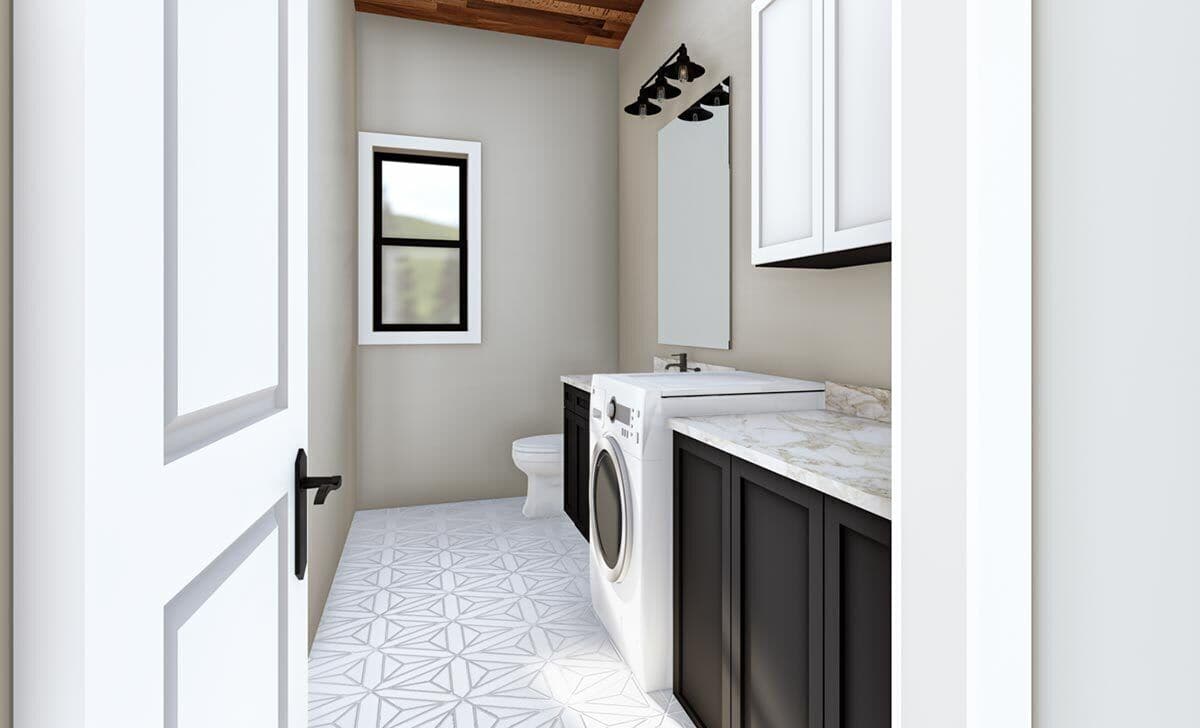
437, 423
1117, 353
332, 390
815, 324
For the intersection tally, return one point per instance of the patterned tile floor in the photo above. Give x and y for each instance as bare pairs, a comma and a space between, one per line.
468, 615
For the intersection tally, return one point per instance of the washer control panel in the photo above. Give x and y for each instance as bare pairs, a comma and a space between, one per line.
618, 418
627, 422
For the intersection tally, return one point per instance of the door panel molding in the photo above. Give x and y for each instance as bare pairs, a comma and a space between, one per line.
185, 604
190, 432
185, 432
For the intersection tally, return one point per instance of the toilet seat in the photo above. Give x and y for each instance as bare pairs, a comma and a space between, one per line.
539, 447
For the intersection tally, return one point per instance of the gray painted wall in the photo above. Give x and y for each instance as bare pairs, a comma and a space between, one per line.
332, 390
815, 324
437, 423
1117, 352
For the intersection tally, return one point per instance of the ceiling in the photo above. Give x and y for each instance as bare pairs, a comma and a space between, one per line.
591, 22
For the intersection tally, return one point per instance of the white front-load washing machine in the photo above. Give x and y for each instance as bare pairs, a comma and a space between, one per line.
631, 492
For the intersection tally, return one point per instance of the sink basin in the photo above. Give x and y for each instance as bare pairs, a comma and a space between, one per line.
705, 383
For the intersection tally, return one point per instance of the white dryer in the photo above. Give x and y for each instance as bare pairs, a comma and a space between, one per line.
631, 491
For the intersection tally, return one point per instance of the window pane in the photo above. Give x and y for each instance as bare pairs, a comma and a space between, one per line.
420, 201
420, 285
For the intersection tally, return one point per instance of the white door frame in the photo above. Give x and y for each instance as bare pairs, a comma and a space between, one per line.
962, 363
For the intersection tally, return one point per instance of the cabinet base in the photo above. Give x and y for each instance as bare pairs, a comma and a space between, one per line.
881, 253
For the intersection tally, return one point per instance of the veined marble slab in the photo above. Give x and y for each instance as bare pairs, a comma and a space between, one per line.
873, 403
847, 457
579, 381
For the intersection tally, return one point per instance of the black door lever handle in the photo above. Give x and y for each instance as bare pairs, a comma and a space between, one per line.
324, 485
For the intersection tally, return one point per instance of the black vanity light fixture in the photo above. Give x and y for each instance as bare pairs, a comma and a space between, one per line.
718, 96
683, 69
678, 67
643, 106
660, 89
696, 113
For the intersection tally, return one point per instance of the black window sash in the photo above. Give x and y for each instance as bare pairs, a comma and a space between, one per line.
380, 241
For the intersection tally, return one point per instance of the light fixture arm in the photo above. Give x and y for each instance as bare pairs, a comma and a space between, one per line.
680, 51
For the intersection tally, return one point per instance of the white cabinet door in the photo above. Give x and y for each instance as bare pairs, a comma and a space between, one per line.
857, 123
160, 362
786, 135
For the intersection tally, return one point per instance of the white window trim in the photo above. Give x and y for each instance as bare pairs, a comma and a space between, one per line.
368, 144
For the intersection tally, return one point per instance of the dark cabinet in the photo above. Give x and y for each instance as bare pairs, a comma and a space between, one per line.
701, 606
782, 600
858, 617
776, 580
576, 457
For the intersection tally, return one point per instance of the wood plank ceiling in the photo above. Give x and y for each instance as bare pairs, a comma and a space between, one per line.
591, 22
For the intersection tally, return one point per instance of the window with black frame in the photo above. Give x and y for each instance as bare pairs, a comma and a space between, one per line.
420, 242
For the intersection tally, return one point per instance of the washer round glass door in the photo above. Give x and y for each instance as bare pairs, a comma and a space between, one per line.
610, 508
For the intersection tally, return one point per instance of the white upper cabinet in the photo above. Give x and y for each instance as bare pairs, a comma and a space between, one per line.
786, 129
821, 132
858, 123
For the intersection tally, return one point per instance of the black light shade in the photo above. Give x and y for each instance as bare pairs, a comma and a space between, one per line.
684, 70
643, 107
696, 113
717, 97
661, 89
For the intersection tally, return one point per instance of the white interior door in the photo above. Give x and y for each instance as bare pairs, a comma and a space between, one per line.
160, 361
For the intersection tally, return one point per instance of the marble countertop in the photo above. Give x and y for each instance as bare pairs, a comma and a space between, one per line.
847, 457
579, 381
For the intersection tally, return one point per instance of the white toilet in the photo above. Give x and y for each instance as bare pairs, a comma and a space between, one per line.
541, 458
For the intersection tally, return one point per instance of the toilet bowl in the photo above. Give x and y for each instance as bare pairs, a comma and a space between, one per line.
541, 459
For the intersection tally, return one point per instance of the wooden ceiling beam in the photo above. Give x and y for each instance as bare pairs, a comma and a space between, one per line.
591, 22
450, 15
631, 6
492, 10
571, 8
481, 12
593, 40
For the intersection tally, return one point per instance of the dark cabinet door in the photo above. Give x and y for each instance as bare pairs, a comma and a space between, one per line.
858, 621
582, 474
576, 458
570, 468
701, 532
776, 574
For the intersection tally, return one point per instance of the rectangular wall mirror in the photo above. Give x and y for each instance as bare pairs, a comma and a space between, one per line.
693, 225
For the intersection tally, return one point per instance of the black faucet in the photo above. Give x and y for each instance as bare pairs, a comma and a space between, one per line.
681, 365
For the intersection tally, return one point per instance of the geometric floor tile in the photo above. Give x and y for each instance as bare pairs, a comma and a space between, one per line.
469, 615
